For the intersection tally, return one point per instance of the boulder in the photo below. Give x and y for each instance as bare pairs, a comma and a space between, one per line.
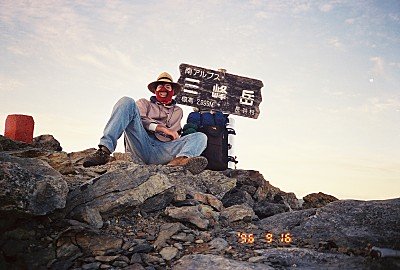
115, 192
236, 197
304, 259
30, 186
47, 142
253, 183
316, 200
7, 144
200, 261
238, 212
265, 209
347, 223
190, 214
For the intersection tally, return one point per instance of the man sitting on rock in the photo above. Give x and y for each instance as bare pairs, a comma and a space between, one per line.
151, 130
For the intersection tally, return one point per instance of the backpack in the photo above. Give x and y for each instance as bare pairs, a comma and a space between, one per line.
214, 126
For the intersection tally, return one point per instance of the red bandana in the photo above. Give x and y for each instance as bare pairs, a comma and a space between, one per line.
167, 99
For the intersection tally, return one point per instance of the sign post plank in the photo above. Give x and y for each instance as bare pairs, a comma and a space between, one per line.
208, 89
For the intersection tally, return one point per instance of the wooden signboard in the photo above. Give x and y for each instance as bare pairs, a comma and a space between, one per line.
208, 89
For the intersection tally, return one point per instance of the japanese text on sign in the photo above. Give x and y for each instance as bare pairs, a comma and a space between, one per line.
207, 75
207, 89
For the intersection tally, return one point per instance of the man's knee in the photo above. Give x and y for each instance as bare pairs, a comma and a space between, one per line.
126, 102
200, 138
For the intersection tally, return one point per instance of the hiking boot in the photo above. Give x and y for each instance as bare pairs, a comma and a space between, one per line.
100, 157
193, 164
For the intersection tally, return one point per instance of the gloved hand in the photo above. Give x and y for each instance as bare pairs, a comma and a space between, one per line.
189, 128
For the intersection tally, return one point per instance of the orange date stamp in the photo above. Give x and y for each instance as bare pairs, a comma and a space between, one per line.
249, 238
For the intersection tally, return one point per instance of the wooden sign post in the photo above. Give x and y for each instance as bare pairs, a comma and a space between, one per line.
208, 89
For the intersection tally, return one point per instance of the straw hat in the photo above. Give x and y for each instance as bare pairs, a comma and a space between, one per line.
165, 78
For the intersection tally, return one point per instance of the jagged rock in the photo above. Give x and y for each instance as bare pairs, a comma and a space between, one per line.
168, 253
117, 191
218, 244
238, 212
142, 248
135, 266
151, 259
47, 142
304, 259
347, 223
106, 258
248, 180
95, 244
30, 186
166, 231
158, 202
208, 199
7, 144
316, 200
200, 261
89, 266
209, 182
191, 214
265, 209
237, 197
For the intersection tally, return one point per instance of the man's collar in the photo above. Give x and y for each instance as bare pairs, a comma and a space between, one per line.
154, 100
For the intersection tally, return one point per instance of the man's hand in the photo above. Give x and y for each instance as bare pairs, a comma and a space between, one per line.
173, 134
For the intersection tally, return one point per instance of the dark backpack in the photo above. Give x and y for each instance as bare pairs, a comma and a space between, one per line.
214, 126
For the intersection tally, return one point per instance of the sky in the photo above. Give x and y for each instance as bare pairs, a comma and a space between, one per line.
330, 111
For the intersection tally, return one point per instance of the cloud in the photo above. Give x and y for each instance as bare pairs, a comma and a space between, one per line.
301, 6
378, 105
378, 68
350, 21
326, 7
336, 43
8, 84
262, 15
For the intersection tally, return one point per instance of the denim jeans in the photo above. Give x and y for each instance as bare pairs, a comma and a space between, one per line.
125, 118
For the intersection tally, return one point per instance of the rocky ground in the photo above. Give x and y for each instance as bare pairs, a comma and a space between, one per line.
56, 214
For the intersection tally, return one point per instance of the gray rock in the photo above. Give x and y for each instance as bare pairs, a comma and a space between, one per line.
218, 244
158, 202
209, 182
301, 258
238, 212
237, 197
135, 266
151, 259
30, 186
265, 209
121, 264
200, 261
116, 191
92, 243
106, 258
91, 266
264, 190
168, 253
136, 258
347, 223
142, 248
7, 144
191, 214
316, 200
166, 231
208, 199
47, 142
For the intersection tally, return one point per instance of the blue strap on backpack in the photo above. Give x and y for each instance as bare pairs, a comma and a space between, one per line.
207, 119
194, 118
220, 119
